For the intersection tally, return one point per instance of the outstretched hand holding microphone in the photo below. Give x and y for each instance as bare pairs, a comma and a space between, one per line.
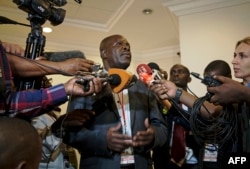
118, 79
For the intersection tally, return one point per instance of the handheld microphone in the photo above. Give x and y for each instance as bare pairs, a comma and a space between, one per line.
125, 76
207, 80
156, 70
113, 80
118, 79
146, 75
64, 55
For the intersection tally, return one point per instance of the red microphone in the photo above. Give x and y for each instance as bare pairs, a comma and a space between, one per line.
146, 75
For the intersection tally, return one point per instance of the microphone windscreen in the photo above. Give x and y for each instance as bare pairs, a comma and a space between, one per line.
61, 56
153, 65
145, 73
125, 76
143, 68
114, 79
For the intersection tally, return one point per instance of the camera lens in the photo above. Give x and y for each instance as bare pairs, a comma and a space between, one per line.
57, 16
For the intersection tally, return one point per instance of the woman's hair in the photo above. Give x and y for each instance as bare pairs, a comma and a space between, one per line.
246, 40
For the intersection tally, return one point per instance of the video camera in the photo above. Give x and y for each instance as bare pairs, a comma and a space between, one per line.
44, 9
38, 12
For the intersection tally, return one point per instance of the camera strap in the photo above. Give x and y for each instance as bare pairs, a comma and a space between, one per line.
5, 72
5, 77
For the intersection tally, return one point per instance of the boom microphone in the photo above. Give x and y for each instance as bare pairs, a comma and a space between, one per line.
146, 75
64, 55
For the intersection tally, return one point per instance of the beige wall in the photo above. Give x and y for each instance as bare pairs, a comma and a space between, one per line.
211, 35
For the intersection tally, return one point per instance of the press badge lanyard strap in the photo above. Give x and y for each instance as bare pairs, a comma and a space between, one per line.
121, 102
127, 156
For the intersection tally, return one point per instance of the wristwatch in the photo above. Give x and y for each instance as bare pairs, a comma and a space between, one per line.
178, 95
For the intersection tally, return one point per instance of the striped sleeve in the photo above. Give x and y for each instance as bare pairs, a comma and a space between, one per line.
36, 102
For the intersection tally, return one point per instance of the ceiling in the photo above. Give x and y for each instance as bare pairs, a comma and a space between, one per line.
86, 24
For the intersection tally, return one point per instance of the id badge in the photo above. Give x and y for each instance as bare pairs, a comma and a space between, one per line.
210, 153
127, 159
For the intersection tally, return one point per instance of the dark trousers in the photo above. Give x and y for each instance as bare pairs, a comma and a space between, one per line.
130, 166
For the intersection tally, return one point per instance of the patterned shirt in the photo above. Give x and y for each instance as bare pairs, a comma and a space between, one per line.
28, 103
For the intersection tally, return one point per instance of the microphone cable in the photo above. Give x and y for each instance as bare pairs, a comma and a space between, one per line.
61, 132
61, 129
216, 130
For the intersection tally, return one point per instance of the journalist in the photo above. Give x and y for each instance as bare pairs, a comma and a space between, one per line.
31, 103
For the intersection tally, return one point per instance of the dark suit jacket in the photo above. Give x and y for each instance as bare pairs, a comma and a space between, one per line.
91, 140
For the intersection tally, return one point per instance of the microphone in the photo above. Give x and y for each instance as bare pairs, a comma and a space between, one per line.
154, 65
118, 79
64, 55
113, 80
147, 76
156, 70
126, 79
4, 20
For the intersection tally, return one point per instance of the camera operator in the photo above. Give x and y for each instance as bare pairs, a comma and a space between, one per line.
13, 48
31, 103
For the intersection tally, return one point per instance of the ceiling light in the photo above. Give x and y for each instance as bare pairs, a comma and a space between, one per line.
147, 11
47, 29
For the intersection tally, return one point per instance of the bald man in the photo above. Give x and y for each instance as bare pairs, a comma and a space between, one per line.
20, 144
